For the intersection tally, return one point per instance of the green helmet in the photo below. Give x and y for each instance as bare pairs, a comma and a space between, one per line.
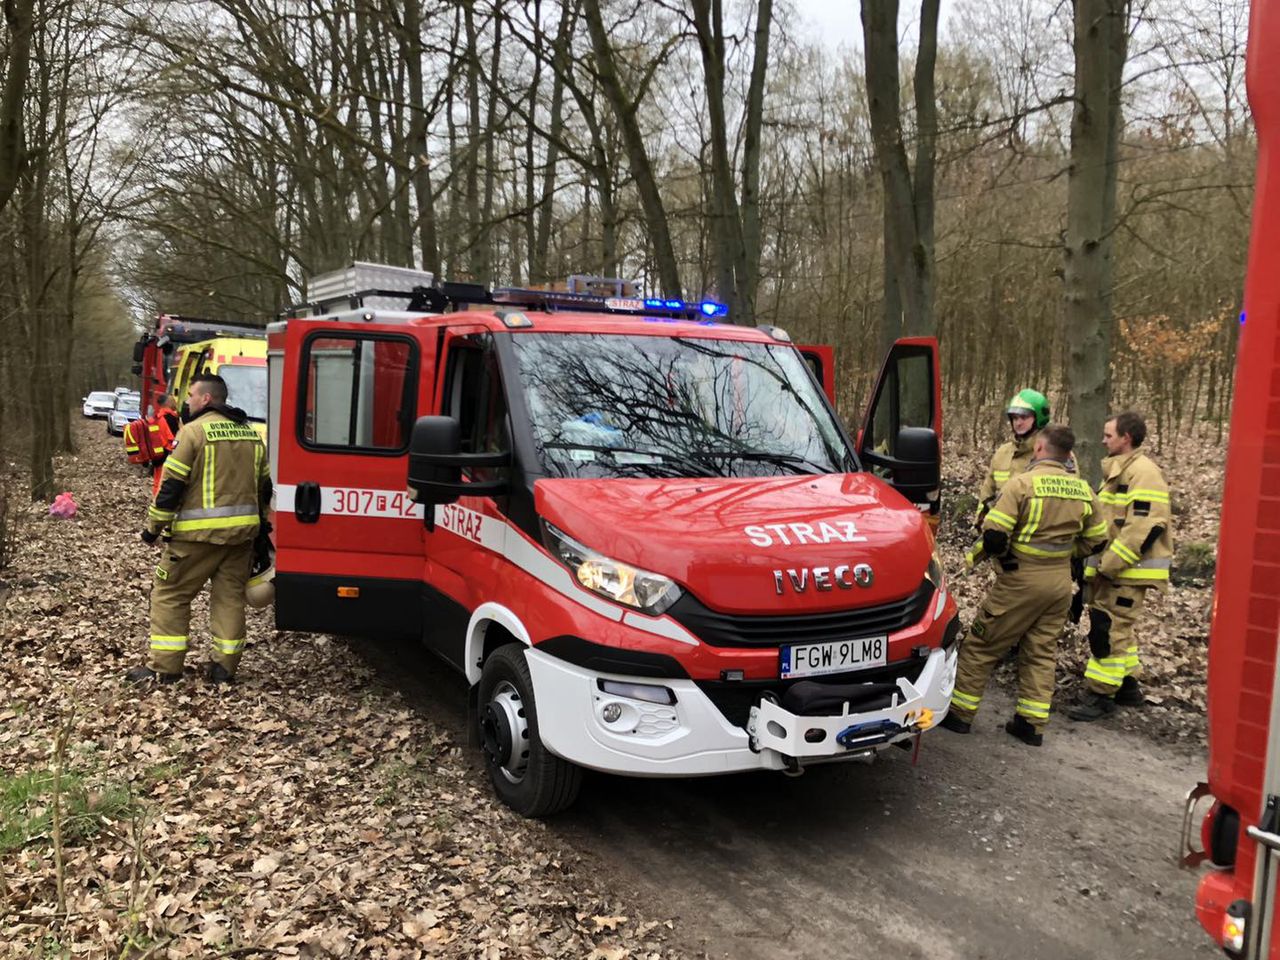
1033, 402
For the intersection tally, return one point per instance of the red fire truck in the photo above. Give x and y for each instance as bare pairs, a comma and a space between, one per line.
642, 534
156, 351
1240, 834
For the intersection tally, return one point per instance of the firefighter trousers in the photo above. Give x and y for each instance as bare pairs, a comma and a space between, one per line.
1113, 611
184, 569
1026, 606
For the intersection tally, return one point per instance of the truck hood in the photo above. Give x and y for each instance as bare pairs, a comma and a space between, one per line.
735, 542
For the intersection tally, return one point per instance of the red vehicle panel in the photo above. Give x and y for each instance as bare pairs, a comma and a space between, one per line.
1246, 612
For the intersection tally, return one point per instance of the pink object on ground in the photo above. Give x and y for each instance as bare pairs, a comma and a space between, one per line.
64, 505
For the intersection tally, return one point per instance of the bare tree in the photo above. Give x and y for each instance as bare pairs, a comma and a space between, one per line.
1101, 46
735, 225
13, 144
626, 105
908, 194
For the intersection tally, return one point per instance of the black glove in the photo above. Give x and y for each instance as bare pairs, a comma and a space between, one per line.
1077, 606
1100, 647
1077, 575
149, 538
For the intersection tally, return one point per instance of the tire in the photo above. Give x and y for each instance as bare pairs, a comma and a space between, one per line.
547, 784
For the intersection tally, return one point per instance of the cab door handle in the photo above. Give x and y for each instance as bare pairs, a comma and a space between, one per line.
306, 502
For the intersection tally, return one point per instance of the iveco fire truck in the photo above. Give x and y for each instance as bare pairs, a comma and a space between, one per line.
642, 534
1240, 833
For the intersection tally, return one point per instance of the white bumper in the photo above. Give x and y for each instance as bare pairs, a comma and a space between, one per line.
692, 737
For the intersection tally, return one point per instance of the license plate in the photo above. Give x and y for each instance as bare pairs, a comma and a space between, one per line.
838, 656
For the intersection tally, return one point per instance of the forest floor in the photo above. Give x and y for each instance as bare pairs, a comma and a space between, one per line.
327, 804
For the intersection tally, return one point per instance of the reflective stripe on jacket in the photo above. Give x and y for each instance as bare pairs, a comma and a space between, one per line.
1009, 460
1135, 500
1049, 515
217, 482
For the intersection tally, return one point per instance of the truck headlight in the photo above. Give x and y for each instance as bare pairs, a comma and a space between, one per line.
620, 582
933, 573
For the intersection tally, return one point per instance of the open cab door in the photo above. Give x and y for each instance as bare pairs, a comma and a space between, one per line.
348, 534
901, 436
821, 361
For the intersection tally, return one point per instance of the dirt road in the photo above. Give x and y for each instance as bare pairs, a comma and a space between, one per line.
984, 850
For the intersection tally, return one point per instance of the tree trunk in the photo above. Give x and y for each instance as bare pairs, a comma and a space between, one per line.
13, 144
751, 163
484, 242
908, 205
472, 179
1101, 41
546, 203
625, 109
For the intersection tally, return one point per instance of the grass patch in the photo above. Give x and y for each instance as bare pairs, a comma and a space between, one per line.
398, 778
960, 508
162, 771
26, 808
1195, 560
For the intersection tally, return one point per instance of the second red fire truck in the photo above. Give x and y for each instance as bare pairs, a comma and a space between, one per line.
1240, 835
642, 534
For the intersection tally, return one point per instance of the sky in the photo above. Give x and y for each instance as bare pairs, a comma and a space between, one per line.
836, 22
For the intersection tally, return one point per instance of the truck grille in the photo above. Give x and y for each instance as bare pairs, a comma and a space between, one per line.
734, 699
749, 630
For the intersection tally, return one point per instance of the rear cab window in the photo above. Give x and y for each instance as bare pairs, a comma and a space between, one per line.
358, 392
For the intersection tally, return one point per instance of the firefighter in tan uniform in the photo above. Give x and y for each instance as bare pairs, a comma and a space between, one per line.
210, 503
1043, 518
1028, 413
1135, 500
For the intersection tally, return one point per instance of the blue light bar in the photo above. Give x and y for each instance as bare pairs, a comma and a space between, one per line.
710, 308
653, 304
673, 304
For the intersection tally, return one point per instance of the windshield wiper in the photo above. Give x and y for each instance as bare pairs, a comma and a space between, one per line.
765, 456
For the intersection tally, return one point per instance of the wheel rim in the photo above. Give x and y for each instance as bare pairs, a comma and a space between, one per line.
504, 732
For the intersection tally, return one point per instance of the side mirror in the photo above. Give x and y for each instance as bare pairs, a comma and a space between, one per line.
916, 463
139, 351
436, 463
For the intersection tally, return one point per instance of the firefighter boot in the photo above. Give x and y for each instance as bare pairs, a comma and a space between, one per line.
955, 724
1130, 694
142, 674
1021, 728
217, 673
1094, 706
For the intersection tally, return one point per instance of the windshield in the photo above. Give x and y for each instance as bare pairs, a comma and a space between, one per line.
127, 405
246, 389
608, 405
101, 396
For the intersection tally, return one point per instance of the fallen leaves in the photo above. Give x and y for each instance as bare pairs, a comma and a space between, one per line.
307, 811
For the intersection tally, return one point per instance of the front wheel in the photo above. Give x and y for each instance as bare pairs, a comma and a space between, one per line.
525, 775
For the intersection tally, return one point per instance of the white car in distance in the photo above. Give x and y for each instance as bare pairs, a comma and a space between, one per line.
99, 404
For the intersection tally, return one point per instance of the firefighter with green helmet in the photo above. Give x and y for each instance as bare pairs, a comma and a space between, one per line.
1028, 413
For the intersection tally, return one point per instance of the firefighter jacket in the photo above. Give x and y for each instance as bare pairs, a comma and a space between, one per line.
149, 441
1009, 460
215, 486
1045, 515
1135, 501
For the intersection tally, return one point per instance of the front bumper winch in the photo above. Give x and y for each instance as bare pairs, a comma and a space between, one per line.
835, 736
